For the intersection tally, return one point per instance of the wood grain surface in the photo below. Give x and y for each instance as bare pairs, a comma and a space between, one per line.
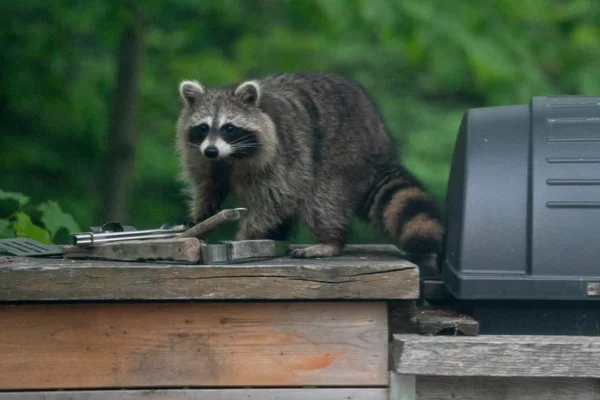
135, 345
183, 250
488, 388
367, 275
206, 394
491, 355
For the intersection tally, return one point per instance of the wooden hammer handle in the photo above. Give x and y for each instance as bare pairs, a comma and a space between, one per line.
210, 224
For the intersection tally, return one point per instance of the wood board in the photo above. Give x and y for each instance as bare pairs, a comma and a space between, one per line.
498, 355
182, 250
119, 345
361, 275
494, 388
207, 394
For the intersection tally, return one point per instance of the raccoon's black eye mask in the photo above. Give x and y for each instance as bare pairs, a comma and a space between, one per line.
243, 141
229, 128
198, 133
233, 134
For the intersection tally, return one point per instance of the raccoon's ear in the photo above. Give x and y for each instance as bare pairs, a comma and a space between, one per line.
191, 92
248, 92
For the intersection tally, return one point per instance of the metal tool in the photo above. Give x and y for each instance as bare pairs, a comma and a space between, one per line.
113, 232
236, 251
93, 244
93, 238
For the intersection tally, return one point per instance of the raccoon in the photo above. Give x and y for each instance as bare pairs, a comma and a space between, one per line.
308, 147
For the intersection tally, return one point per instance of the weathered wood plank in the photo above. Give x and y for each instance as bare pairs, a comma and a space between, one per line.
362, 276
490, 355
439, 322
100, 345
184, 250
206, 394
490, 388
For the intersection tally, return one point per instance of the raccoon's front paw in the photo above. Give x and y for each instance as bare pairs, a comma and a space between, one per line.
317, 251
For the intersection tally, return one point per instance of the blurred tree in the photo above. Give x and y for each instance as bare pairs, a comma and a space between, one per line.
424, 63
122, 137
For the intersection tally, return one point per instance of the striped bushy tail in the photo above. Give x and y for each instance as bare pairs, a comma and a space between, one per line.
400, 206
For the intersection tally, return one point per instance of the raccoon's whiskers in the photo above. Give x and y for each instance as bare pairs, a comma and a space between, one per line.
226, 159
238, 140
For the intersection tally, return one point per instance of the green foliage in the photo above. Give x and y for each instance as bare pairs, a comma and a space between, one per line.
424, 63
24, 226
58, 223
46, 222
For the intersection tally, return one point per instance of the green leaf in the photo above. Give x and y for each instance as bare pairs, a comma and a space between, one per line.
11, 202
34, 213
54, 218
24, 227
62, 236
18, 197
6, 230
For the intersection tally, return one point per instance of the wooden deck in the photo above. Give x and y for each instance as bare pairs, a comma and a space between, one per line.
283, 327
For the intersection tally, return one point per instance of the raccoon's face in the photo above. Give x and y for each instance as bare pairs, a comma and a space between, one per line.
216, 140
225, 124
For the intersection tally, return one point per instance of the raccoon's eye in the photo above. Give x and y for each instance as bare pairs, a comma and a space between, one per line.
230, 128
198, 133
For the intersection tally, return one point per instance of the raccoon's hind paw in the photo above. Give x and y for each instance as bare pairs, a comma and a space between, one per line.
317, 251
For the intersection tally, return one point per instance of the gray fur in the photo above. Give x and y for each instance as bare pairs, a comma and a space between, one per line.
323, 147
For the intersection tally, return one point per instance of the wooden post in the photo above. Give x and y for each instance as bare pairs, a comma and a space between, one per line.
402, 387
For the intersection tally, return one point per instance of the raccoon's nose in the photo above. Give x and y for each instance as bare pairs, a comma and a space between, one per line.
211, 152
